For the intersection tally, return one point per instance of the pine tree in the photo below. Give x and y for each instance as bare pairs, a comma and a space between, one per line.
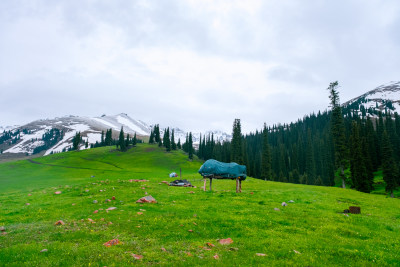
134, 140
102, 138
236, 143
76, 140
121, 141
173, 144
310, 163
266, 156
178, 145
127, 141
338, 131
151, 139
190, 146
389, 167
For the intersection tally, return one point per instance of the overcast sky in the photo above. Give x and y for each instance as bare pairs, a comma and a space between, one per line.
193, 64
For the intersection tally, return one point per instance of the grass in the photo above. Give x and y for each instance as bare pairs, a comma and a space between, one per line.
312, 231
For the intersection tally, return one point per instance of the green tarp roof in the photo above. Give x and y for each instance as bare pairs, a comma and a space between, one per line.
226, 170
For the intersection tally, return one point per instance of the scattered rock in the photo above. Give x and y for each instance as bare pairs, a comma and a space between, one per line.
234, 249
112, 242
109, 223
92, 176
189, 254
137, 257
139, 213
284, 204
194, 215
226, 241
27, 204
137, 181
44, 250
190, 230
60, 222
113, 198
194, 223
147, 199
251, 193
163, 249
165, 182
191, 192
73, 204
111, 208
142, 210
295, 251
95, 202
211, 245
216, 256
3, 233
276, 209
29, 195
91, 221
96, 211
261, 254
355, 210
87, 190
206, 248
57, 192
291, 201
2, 229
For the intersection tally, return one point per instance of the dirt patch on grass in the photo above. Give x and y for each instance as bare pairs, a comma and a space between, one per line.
150, 149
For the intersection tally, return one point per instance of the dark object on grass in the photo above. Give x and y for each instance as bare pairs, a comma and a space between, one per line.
184, 183
355, 210
346, 211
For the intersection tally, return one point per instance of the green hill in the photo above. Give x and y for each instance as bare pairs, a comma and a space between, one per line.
311, 231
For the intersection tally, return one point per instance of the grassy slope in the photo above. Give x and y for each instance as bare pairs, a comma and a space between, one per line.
313, 225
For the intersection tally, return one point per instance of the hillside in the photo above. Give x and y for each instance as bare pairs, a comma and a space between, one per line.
311, 231
28, 139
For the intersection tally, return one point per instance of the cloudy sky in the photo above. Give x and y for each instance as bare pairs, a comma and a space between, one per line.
193, 64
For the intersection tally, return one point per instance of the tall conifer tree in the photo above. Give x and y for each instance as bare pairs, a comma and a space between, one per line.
266, 156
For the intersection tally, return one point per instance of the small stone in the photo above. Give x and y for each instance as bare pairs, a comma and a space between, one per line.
91, 221
113, 198
147, 199
111, 208
142, 210
137, 257
295, 251
276, 209
27, 204
284, 204
216, 256
163, 249
112, 242
57, 192
87, 190
291, 201
2, 229
139, 213
73, 204
44, 250
226, 241
96, 211
191, 192
95, 202
190, 230
60, 222
29, 195
261, 254
251, 193
234, 249
194, 223
211, 245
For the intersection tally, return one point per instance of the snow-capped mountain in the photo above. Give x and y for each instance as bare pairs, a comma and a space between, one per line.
55, 135
384, 98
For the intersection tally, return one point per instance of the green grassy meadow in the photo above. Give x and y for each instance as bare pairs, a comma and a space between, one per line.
312, 231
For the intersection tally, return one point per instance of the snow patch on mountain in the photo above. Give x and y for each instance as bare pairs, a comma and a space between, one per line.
128, 123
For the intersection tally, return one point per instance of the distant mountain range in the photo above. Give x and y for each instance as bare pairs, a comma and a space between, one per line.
26, 138
384, 98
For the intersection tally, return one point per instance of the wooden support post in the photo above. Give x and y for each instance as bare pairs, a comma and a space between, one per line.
237, 185
210, 184
240, 186
205, 183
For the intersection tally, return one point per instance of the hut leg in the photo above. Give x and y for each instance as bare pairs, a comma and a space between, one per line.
240, 186
237, 185
205, 184
210, 184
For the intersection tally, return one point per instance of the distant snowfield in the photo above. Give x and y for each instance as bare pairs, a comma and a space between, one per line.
132, 126
106, 123
23, 146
